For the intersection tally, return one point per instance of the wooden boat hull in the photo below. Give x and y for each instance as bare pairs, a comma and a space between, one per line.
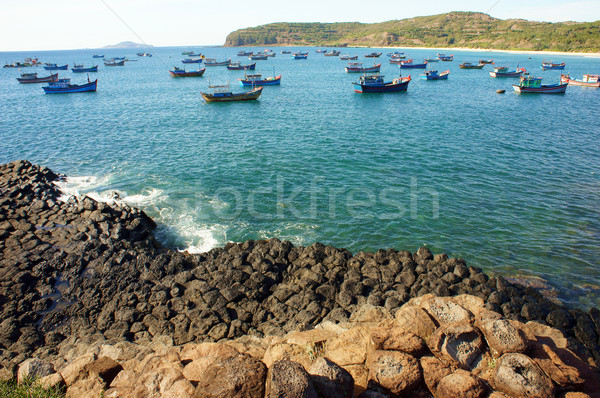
117, 63
242, 67
544, 89
74, 88
62, 67
191, 61
414, 66
196, 73
374, 55
263, 82
46, 79
348, 58
231, 97
83, 70
388, 87
574, 82
463, 66
371, 69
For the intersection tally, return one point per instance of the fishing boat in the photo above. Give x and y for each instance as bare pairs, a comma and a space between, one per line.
286, 52
224, 94
320, 51
258, 80
244, 53
400, 60
186, 52
258, 57
434, 75
486, 61
550, 65
348, 57
587, 81
373, 55
429, 60
239, 66
395, 54
468, 65
27, 78
179, 72
502, 71
356, 67
114, 62
64, 86
98, 56
191, 61
214, 62
56, 67
446, 58
376, 84
81, 69
332, 53
530, 84
194, 55
300, 55
118, 58
411, 65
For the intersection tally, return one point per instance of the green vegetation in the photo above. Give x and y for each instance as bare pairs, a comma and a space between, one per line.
454, 29
28, 389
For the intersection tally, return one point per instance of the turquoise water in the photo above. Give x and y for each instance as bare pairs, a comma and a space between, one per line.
509, 182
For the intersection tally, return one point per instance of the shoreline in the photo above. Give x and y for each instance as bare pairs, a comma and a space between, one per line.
79, 268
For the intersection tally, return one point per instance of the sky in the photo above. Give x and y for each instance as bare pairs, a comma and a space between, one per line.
74, 24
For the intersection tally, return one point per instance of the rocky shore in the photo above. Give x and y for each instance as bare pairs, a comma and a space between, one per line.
85, 272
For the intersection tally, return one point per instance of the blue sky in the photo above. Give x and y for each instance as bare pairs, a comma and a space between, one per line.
73, 24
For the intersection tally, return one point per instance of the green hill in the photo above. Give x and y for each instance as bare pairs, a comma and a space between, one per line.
454, 29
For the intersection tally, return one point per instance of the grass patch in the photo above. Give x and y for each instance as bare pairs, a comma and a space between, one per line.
28, 389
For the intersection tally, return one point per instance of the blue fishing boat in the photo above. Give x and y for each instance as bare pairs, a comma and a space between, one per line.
258, 80
376, 84
56, 67
550, 66
502, 71
98, 56
214, 62
530, 84
64, 86
112, 62
258, 57
118, 58
244, 53
81, 69
434, 75
286, 52
300, 55
191, 61
446, 58
332, 53
411, 65
239, 66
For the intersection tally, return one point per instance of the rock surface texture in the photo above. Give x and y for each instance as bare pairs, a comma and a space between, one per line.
82, 282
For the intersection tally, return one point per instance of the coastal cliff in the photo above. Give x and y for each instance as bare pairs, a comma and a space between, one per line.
80, 271
454, 29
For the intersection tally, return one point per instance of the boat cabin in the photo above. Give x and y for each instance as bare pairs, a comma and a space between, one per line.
61, 83
34, 75
371, 80
530, 82
591, 78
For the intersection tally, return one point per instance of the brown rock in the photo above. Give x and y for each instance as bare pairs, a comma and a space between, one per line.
106, 368
395, 371
206, 350
518, 375
164, 382
445, 310
331, 380
349, 347
157, 361
415, 320
304, 355
236, 376
397, 339
360, 374
435, 370
72, 372
54, 381
576, 395
459, 342
92, 386
289, 379
554, 367
460, 384
34, 368
503, 337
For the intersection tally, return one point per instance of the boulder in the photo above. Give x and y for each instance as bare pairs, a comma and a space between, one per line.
289, 379
434, 370
105, 368
74, 369
349, 347
445, 310
54, 381
34, 368
395, 371
518, 375
331, 380
166, 382
236, 376
458, 342
396, 339
460, 384
414, 319
503, 337
563, 375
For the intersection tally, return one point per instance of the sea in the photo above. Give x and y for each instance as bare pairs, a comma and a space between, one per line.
509, 182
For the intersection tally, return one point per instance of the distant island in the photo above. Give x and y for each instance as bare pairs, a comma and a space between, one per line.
453, 29
128, 44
